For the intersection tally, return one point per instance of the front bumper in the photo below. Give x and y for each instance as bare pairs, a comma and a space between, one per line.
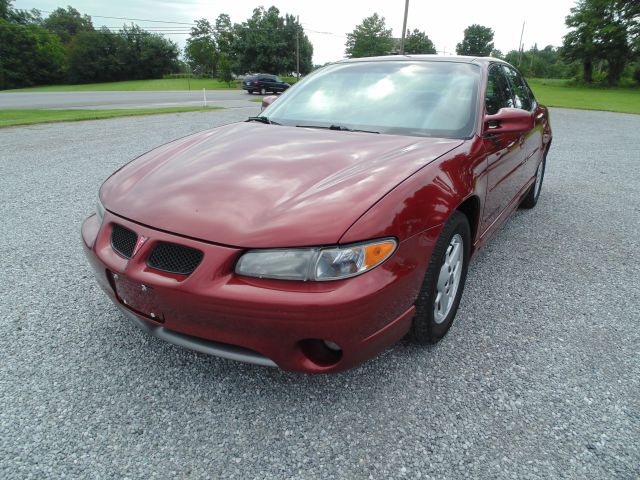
262, 321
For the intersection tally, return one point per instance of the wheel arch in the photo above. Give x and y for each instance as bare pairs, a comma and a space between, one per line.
470, 207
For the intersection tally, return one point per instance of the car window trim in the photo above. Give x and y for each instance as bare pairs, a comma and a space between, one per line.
513, 87
498, 65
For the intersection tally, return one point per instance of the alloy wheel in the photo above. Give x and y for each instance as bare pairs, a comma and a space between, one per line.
449, 279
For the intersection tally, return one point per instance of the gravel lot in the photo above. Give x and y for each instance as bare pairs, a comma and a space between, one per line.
538, 378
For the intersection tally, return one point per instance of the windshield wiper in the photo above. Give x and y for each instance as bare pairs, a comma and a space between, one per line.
262, 119
339, 128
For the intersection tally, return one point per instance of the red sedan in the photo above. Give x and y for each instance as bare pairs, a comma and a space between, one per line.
316, 235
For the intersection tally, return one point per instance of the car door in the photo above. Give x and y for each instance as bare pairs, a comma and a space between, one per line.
504, 150
269, 82
531, 141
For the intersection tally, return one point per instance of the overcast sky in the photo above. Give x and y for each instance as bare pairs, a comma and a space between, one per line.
443, 21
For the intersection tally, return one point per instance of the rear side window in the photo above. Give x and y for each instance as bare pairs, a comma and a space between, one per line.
499, 93
521, 94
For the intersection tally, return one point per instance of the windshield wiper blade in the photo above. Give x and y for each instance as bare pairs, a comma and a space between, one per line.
262, 119
339, 128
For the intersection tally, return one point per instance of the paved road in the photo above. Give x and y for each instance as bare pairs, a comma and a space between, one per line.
101, 100
539, 376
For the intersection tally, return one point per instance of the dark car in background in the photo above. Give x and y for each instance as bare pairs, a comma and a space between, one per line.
263, 83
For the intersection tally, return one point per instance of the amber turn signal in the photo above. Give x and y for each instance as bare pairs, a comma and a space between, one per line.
377, 252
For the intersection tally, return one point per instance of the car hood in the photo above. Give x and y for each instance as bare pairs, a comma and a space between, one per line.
256, 185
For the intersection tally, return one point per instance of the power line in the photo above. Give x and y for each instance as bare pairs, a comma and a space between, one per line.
126, 18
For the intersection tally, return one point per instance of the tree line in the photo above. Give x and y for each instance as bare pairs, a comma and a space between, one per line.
603, 44
266, 42
65, 47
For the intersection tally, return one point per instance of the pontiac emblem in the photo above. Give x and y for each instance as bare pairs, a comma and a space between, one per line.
141, 241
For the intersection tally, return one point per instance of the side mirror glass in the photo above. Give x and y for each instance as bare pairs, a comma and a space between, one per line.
266, 101
508, 120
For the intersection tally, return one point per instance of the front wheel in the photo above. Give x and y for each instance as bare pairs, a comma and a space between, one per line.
263, 91
443, 284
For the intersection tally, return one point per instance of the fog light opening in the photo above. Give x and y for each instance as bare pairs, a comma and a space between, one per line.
332, 346
321, 352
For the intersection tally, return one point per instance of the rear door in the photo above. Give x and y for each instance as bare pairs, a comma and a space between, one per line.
271, 83
504, 150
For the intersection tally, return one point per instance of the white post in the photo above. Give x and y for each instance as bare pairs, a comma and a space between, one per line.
204, 95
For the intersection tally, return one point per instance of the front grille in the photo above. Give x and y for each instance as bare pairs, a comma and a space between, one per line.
173, 258
123, 240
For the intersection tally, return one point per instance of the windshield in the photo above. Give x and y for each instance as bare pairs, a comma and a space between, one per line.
435, 99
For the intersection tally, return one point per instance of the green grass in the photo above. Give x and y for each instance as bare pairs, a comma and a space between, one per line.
557, 93
10, 118
137, 85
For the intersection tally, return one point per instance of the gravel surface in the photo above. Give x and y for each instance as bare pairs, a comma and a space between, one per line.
117, 100
538, 378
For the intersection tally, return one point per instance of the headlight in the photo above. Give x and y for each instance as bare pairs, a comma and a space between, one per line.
316, 264
99, 209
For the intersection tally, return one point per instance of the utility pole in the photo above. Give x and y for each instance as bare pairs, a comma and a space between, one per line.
404, 26
520, 47
298, 48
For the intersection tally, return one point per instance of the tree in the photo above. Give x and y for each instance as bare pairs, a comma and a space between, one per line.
370, 38
602, 30
132, 53
545, 63
224, 35
580, 43
417, 42
97, 57
224, 69
266, 42
477, 41
200, 52
291, 29
5, 8
29, 55
67, 23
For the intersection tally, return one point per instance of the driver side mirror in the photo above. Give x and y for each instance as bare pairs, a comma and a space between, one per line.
508, 120
266, 101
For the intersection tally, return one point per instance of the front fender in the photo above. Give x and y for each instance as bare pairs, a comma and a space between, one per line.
426, 199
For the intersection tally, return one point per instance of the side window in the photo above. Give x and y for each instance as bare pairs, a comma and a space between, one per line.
278, 79
521, 94
498, 91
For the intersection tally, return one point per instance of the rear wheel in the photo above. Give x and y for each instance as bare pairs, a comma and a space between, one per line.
443, 284
250, 92
530, 200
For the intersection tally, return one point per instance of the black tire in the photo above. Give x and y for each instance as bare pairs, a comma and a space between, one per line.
425, 328
250, 92
531, 198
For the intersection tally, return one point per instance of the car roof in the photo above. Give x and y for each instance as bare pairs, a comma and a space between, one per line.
426, 58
